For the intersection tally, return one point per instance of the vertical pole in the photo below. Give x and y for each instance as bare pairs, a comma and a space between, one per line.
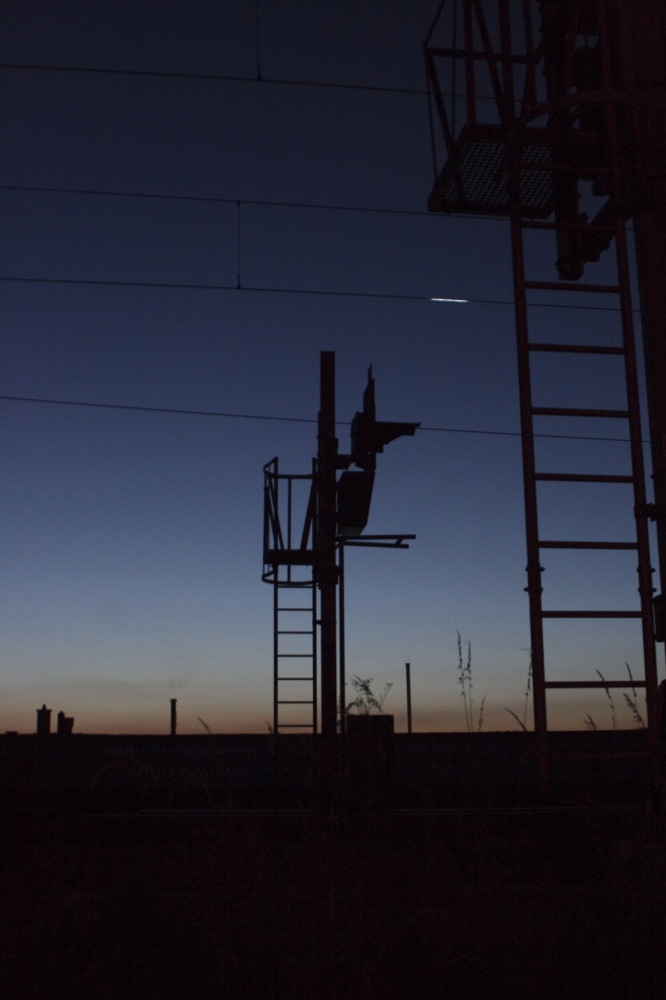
343, 720
276, 660
534, 568
327, 571
645, 587
409, 697
289, 491
173, 716
327, 576
644, 34
650, 236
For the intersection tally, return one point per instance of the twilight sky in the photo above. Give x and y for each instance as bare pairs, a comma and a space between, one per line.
130, 546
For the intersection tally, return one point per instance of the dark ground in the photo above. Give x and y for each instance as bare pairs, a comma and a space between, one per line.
542, 903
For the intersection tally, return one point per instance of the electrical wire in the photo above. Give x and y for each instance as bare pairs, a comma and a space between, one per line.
192, 286
292, 420
255, 202
223, 78
252, 202
263, 203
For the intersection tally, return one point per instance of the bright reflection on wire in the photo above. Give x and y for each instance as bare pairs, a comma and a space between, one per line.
449, 300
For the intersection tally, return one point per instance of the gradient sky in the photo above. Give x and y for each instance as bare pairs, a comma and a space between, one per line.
131, 542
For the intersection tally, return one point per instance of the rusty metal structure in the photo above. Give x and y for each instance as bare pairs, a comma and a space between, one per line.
300, 564
545, 108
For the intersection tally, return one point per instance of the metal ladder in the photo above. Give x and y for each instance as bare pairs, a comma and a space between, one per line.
302, 615
291, 570
535, 543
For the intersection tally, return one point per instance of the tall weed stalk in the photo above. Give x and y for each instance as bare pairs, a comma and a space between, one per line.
465, 681
610, 700
633, 704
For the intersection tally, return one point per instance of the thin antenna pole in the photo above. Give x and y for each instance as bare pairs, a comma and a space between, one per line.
433, 146
173, 716
409, 696
238, 244
454, 44
341, 615
256, 26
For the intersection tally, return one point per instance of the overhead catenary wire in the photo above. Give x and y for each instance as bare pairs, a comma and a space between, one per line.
193, 286
222, 78
255, 202
271, 417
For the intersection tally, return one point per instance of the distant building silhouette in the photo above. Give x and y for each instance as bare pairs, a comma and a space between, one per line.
65, 724
43, 721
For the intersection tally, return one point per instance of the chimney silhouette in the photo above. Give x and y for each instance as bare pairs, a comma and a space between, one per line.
173, 716
43, 721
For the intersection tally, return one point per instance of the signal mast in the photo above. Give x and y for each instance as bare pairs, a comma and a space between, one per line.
301, 565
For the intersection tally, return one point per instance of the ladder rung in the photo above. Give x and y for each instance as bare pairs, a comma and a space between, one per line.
562, 168
295, 703
588, 545
594, 684
575, 348
589, 227
565, 477
295, 656
295, 609
559, 411
592, 614
310, 679
295, 631
295, 725
571, 286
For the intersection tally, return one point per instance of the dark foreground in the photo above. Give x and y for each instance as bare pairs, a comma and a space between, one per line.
561, 900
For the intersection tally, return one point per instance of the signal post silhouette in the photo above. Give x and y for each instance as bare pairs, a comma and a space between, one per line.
336, 512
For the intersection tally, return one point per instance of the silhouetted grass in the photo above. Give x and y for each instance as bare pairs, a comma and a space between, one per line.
465, 681
366, 701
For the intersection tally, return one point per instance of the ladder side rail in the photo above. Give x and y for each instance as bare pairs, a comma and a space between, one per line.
635, 435
315, 658
534, 588
314, 654
289, 505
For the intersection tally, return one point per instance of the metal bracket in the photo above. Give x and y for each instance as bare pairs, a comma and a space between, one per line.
652, 511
